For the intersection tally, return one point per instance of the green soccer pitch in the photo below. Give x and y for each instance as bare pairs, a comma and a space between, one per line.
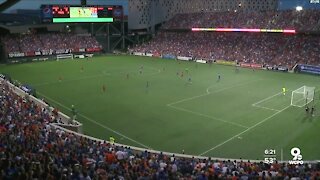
237, 117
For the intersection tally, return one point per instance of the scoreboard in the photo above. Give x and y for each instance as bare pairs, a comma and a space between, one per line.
78, 14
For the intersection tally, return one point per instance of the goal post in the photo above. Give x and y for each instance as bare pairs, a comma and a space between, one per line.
302, 96
64, 56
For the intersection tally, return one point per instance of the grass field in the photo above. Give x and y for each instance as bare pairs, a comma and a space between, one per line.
237, 117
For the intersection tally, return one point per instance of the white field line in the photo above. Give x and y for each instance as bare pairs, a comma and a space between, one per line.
247, 129
210, 117
187, 99
302, 105
252, 127
265, 99
208, 92
97, 123
262, 107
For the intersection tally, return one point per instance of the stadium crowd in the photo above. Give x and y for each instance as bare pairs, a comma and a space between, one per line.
262, 48
30, 148
305, 20
47, 41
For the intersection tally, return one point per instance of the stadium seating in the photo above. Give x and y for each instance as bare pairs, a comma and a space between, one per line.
262, 48
306, 20
32, 149
48, 41
267, 48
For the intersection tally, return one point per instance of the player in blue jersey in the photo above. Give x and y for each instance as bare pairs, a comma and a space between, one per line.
219, 77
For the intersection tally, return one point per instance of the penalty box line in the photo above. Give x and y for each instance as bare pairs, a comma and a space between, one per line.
250, 128
264, 120
210, 117
208, 92
171, 105
97, 123
265, 99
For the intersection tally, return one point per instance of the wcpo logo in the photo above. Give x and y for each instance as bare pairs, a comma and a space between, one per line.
297, 157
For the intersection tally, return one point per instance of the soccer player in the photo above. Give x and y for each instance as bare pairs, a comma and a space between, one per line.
147, 87
219, 77
307, 109
60, 78
284, 91
112, 140
237, 69
104, 88
74, 112
189, 80
181, 74
141, 69
127, 75
312, 111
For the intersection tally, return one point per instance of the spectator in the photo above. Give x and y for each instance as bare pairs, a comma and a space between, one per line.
263, 48
48, 42
306, 20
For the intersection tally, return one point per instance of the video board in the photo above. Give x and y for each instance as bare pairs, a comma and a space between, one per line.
78, 14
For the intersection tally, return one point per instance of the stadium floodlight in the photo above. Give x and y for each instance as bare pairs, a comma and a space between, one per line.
299, 8
302, 96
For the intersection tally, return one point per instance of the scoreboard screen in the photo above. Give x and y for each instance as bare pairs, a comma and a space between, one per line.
87, 12
69, 14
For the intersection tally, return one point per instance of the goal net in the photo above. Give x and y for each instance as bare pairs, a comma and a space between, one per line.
64, 56
302, 96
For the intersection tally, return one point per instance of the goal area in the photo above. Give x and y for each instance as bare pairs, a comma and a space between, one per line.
302, 96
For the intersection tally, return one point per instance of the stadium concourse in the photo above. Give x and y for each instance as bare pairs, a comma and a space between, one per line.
30, 148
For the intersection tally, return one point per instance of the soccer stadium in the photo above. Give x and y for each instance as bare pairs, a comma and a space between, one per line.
159, 89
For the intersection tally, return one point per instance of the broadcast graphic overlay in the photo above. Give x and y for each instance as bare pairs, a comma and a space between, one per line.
270, 156
297, 156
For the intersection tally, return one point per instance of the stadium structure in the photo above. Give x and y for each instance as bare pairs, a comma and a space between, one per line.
159, 89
